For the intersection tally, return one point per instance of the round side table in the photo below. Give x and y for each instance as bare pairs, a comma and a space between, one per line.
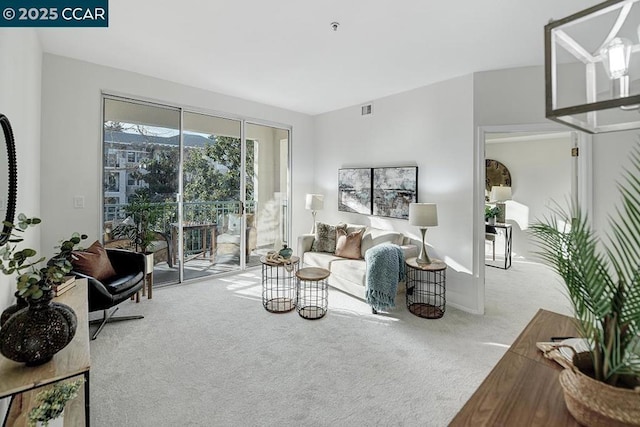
313, 292
278, 285
426, 288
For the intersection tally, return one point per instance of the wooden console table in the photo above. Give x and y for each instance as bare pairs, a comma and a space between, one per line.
523, 388
22, 383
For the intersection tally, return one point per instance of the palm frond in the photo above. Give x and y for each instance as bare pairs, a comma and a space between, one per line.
602, 279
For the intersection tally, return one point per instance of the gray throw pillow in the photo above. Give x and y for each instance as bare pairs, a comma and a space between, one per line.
325, 240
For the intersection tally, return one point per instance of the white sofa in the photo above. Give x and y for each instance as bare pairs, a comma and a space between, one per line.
349, 275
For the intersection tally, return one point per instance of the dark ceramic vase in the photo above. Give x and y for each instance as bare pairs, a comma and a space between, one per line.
285, 252
34, 334
12, 309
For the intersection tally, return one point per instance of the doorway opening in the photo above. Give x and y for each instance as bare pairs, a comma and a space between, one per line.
542, 165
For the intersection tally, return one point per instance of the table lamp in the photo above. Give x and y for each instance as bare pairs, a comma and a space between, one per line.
315, 203
500, 194
423, 215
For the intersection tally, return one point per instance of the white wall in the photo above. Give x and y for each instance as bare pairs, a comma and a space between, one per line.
540, 175
71, 137
430, 127
20, 101
611, 155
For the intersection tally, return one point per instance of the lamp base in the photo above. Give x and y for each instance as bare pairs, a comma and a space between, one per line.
423, 258
502, 212
313, 229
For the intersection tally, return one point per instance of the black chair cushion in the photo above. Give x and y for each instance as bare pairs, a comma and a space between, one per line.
120, 284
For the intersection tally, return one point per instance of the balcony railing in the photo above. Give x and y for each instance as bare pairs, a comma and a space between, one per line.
193, 213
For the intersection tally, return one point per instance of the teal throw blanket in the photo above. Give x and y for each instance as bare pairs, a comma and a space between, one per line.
385, 268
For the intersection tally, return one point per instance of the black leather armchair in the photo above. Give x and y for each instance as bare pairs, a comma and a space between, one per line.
103, 295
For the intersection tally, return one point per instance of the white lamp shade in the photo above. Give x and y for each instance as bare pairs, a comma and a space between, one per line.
423, 214
500, 194
314, 202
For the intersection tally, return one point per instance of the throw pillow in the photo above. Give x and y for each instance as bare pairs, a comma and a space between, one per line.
325, 240
93, 262
348, 245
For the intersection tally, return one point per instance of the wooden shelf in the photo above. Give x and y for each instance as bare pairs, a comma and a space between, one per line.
23, 382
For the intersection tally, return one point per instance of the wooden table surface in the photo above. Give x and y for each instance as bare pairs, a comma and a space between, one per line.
523, 388
23, 382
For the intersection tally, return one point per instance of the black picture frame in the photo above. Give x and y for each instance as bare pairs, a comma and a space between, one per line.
394, 188
354, 190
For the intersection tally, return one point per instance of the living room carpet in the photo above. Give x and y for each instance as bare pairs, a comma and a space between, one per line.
209, 354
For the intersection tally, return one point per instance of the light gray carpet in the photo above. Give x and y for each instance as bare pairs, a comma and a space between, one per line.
208, 354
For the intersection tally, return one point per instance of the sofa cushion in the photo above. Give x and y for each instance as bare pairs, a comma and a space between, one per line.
375, 236
325, 240
348, 245
320, 259
93, 262
355, 227
350, 269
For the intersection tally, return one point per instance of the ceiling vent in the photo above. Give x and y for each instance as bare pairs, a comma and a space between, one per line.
366, 110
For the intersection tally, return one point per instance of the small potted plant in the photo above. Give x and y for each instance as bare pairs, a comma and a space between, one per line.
490, 213
33, 334
51, 403
602, 280
35, 282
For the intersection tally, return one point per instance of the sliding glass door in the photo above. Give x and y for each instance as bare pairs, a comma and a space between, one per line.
212, 209
141, 152
212, 192
267, 187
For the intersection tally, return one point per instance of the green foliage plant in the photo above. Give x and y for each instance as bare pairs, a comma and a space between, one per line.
144, 215
212, 172
34, 281
490, 211
51, 402
602, 279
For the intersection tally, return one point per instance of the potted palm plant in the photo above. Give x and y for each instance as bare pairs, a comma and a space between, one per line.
138, 226
602, 280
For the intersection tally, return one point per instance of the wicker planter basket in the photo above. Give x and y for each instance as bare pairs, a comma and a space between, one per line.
594, 403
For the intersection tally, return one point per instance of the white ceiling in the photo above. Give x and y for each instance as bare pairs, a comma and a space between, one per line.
284, 52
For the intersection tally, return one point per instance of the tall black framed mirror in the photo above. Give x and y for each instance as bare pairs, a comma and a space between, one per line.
8, 178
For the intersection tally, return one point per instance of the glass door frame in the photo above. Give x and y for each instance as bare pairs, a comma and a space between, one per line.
181, 109
289, 190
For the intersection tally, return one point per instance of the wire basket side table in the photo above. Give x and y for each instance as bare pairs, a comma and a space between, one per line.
426, 286
279, 292
313, 292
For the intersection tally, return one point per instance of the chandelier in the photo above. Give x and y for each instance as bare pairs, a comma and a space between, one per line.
592, 68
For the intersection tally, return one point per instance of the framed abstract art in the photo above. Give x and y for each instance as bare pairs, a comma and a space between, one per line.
354, 190
393, 190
